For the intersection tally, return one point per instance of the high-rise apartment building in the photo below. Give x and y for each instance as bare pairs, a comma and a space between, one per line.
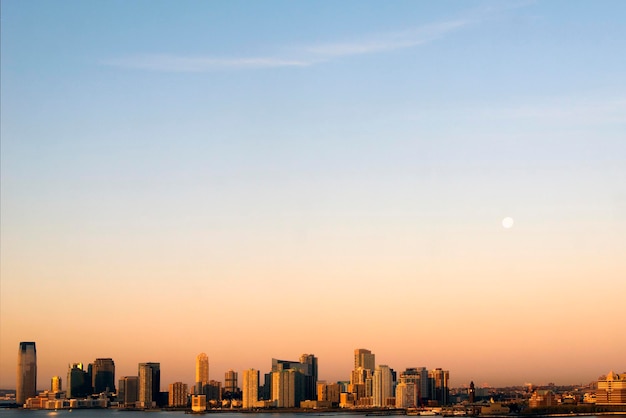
26, 385
284, 388
231, 386
382, 386
103, 375
177, 395
412, 377
55, 384
149, 384
405, 395
202, 373
250, 395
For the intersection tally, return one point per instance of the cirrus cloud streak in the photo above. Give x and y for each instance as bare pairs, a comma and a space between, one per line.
297, 57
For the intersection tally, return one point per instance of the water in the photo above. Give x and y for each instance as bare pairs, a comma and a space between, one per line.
116, 413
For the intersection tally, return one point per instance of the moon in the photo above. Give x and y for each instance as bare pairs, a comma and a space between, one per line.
507, 222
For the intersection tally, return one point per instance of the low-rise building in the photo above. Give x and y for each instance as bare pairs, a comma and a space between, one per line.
542, 398
198, 403
612, 390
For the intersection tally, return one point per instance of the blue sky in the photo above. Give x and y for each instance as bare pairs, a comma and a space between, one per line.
240, 147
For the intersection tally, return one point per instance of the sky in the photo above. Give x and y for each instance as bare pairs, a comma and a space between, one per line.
266, 179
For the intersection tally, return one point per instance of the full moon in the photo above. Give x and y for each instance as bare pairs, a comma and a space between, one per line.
507, 222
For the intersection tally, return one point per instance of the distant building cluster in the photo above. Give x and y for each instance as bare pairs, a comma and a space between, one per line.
289, 384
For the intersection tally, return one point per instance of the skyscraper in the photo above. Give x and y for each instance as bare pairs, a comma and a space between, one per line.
411, 377
250, 394
439, 390
284, 388
149, 385
26, 385
310, 381
231, 387
55, 384
383, 385
78, 383
103, 375
202, 372
364, 358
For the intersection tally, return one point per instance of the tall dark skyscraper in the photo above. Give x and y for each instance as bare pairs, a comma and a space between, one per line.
149, 384
103, 375
78, 383
310, 390
26, 385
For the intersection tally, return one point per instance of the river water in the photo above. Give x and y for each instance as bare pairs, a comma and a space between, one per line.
116, 413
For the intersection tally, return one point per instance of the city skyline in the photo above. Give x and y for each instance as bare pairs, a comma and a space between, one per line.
102, 375
440, 182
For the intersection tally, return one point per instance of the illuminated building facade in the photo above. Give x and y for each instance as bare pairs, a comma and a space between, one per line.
202, 372
612, 390
250, 395
149, 384
177, 395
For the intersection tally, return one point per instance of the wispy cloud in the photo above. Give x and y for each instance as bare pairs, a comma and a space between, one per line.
389, 41
298, 57
195, 64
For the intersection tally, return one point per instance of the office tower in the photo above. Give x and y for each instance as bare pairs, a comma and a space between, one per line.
128, 390
250, 385
439, 390
177, 394
26, 385
424, 385
382, 385
364, 358
78, 383
103, 375
230, 383
202, 372
149, 384
310, 381
55, 384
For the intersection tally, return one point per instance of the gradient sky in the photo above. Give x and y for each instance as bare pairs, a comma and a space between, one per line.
266, 179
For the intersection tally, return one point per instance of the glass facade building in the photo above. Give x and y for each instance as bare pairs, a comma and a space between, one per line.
26, 385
